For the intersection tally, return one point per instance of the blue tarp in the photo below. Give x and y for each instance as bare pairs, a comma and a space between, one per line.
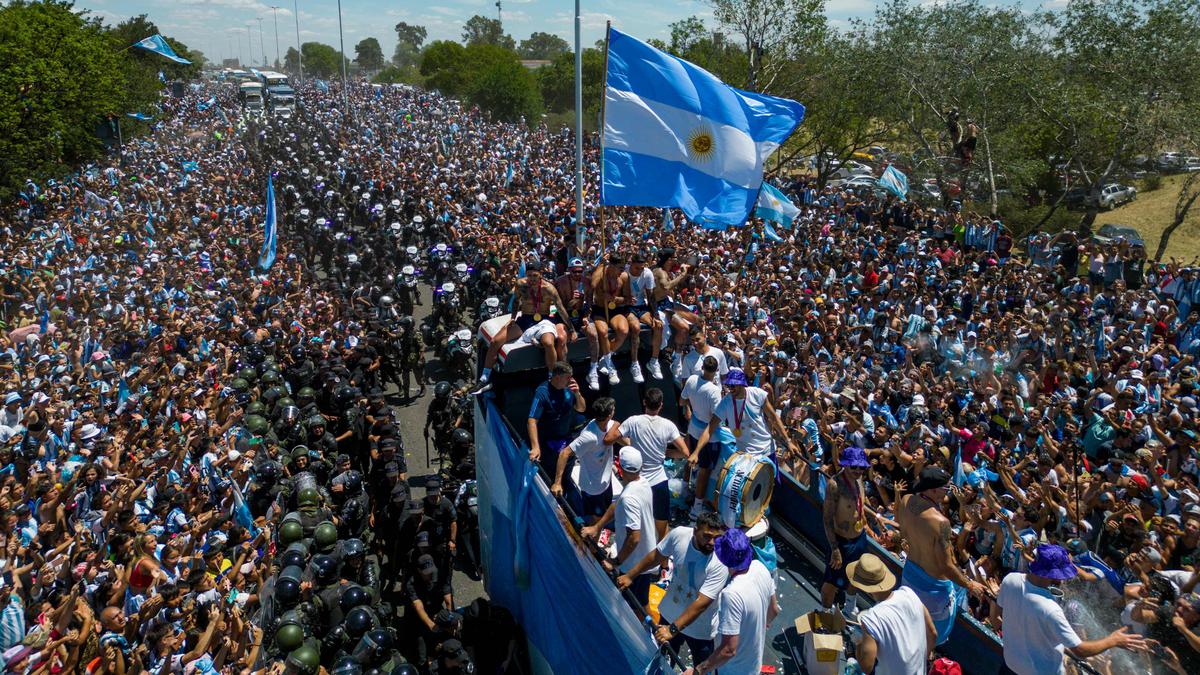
573, 615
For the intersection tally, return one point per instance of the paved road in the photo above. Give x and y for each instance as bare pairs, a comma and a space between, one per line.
412, 424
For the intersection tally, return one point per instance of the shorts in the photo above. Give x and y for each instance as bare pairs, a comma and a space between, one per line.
577, 322
604, 314
708, 456
661, 494
594, 506
638, 311
534, 331
852, 550
666, 305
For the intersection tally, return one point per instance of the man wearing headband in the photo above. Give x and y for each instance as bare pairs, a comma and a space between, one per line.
931, 569
745, 608
574, 288
1036, 629
748, 414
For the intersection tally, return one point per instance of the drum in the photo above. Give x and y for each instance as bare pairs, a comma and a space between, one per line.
746, 483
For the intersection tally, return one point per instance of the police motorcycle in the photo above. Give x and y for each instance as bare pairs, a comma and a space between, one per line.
456, 354
488, 309
445, 316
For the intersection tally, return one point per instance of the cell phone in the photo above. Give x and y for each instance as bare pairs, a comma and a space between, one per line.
8, 578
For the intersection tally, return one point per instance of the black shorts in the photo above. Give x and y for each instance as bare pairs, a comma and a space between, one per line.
526, 321
662, 500
577, 322
666, 305
594, 506
637, 311
708, 456
604, 313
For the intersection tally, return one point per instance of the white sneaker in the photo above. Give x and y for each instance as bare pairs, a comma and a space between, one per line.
613, 378
593, 378
636, 369
655, 369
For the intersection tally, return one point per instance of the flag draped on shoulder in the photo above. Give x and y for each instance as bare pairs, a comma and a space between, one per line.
775, 206
675, 135
894, 181
266, 257
157, 44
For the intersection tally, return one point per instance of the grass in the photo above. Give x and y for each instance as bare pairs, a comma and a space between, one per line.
1152, 212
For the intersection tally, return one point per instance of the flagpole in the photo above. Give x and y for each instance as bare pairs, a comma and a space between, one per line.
579, 230
603, 96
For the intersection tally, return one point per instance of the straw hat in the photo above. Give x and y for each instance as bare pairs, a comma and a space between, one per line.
869, 574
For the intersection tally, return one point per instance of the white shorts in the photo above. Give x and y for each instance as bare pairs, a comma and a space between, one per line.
533, 334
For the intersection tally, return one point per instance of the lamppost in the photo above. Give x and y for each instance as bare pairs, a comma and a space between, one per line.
261, 44
275, 13
250, 41
579, 234
342, 55
299, 52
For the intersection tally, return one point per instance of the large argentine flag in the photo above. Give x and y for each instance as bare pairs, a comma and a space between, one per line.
894, 181
156, 43
675, 135
266, 257
774, 205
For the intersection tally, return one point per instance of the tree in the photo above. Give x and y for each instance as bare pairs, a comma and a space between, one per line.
442, 66
711, 50
1188, 193
409, 39
556, 82
368, 54
291, 60
320, 60
508, 91
772, 32
59, 76
543, 46
482, 30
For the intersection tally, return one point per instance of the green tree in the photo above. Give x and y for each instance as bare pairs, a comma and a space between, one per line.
320, 60
508, 91
543, 46
291, 60
711, 50
394, 74
409, 39
59, 76
556, 82
772, 32
443, 67
482, 30
368, 54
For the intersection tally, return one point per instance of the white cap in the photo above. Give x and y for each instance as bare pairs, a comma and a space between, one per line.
1135, 374
631, 459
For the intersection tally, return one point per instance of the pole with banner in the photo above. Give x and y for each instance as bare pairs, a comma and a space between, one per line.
579, 228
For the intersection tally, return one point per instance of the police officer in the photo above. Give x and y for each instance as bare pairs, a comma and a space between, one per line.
354, 510
411, 356
441, 522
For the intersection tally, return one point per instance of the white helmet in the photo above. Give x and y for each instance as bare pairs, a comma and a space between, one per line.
460, 267
492, 302
408, 270
448, 287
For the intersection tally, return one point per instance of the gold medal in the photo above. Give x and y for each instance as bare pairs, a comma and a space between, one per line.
537, 317
612, 305
737, 433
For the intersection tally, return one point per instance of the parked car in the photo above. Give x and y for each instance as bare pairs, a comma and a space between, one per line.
1112, 196
1076, 198
1110, 232
860, 182
1191, 167
1168, 162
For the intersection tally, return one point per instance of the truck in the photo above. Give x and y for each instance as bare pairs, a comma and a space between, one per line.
251, 96
280, 97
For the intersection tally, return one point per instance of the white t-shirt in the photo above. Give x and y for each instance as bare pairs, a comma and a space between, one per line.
742, 610
692, 573
641, 286
635, 511
898, 626
756, 435
693, 363
595, 458
703, 395
1036, 630
650, 434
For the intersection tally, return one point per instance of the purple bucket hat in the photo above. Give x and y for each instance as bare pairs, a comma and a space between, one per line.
736, 377
1053, 562
854, 457
733, 550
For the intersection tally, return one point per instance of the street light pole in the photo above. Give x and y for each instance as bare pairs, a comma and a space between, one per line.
342, 49
299, 52
275, 12
579, 233
261, 43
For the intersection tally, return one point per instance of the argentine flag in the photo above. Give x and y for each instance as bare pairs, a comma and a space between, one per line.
675, 135
774, 205
894, 181
155, 43
266, 256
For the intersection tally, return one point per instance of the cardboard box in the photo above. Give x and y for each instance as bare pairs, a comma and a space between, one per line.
824, 649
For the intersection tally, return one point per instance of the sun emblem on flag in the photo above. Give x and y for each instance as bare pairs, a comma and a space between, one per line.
700, 144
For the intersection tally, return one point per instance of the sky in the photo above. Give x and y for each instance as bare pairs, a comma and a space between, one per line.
219, 27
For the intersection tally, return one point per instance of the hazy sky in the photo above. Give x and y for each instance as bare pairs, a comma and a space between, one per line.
217, 27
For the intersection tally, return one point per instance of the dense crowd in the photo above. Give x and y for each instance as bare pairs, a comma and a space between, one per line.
196, 449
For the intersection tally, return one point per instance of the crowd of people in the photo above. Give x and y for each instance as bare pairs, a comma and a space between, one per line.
196, 448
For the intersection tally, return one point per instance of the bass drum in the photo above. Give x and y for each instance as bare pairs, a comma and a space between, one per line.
746, 483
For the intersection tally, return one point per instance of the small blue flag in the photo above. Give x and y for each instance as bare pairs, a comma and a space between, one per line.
205, 105
321, 85
894, 181
508, 175
774, 205
155, 43
44, 324
190, 166
266, 257
770, 233
668, 224
162, 78
139, 116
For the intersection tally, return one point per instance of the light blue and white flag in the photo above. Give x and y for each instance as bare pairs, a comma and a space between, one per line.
508, 175
894, 181
139, 116
322, 85
675, 135
266, 257
155, 43
205, 105
770, 234
774, 205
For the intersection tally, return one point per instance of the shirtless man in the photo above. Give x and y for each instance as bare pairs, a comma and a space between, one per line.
610, 306
931, 570
641, 286
575, 289
534, 298
844, 517
680, 319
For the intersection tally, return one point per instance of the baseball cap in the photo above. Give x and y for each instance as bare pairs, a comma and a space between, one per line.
631, 459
